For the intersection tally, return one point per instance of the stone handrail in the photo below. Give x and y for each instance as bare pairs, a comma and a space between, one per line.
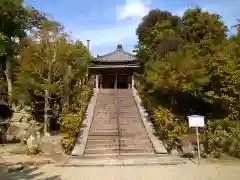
83, 134
157, 144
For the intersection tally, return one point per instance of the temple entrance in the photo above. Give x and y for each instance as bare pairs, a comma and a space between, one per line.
115, 69
123, 81
109, 81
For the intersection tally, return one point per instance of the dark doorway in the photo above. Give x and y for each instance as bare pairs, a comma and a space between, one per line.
109, 81
122, 82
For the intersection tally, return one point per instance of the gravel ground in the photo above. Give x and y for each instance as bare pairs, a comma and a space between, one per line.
189, 171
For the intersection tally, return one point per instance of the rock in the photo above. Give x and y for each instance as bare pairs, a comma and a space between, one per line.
32, 143
174, 152
9, 137
15, 167
233, 148
202, 148
42, 162
37, 162
187, 149
51, 145
20, 115
19, 123
19, 149
17, 130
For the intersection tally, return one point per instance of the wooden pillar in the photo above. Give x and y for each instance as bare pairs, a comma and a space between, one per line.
132, 81
101, 80
129, 81
97, 82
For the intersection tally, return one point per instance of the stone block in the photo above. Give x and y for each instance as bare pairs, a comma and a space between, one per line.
188, 151
15, 167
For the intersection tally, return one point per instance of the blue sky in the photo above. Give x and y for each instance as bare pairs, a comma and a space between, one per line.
110, 22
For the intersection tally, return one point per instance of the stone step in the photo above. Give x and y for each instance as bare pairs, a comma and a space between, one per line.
131, 128
104, 130
132, 160
133, 136
136, 150
102, 137
136, 146
122, 143
102, 151
115, 138
127, 131
130, 124
106, 142
108, 126
96, 141
119, 156
99, 146
132, 141
126, 117
112, 138
104, 118
106, 122
102, 127
103, 134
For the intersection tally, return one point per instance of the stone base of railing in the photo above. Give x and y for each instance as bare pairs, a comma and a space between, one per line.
83, 134
158, 145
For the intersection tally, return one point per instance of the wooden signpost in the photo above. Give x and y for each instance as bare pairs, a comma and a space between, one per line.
196, 121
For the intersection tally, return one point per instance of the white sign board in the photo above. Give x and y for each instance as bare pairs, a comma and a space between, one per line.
196, 121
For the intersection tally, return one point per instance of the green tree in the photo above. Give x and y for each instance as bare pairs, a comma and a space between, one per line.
15, 21
200, 25
158, 34
51, 67
190, 72
237, 26
38, 63
198, 73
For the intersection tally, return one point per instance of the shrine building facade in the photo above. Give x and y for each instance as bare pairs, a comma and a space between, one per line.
115, 69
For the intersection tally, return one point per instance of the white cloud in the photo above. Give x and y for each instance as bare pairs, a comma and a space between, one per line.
107, 35
133, 8
121, 32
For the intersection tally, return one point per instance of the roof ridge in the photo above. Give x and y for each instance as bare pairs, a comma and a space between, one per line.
108, 54
116, 56
128, 53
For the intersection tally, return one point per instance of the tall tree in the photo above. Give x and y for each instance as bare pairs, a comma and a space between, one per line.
15, 21
195, 72
200, 25
37, 63
158, 34
237, 26
51, 66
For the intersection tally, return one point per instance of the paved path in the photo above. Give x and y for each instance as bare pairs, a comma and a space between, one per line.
187, 171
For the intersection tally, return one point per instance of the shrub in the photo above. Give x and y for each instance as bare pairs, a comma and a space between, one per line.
169, 128
71, 122
222, 136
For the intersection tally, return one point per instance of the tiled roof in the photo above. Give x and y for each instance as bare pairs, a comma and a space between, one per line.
116, 56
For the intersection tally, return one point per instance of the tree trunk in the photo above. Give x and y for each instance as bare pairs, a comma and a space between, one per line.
66, 87
8, 75
46, 108
47, 96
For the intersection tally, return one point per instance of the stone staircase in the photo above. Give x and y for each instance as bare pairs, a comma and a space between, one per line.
117, 132
103, 136
133, 136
